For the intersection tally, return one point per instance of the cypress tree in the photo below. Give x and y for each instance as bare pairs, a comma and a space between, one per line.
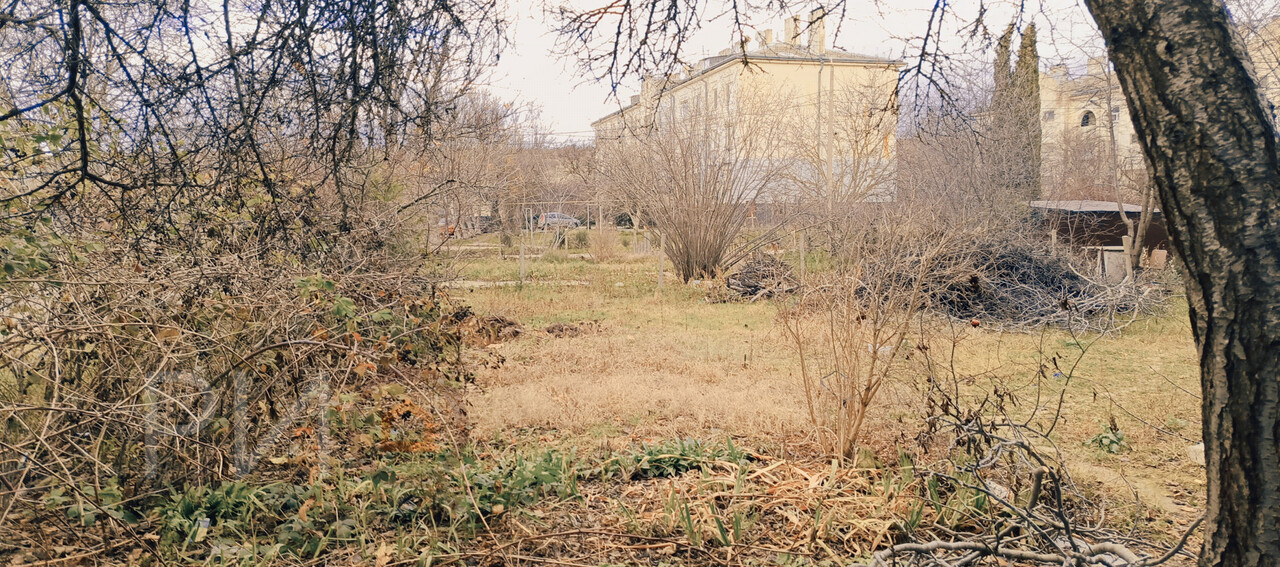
999, 159
1014, 130
1026, 92
1002, 75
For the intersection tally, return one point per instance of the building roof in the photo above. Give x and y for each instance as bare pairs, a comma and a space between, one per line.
776, 51
1086, 206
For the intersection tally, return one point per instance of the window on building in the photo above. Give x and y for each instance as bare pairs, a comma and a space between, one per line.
1133, 138
1088, 119
1115, 114
1048, 115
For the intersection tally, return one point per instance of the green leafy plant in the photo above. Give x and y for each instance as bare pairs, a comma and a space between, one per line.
915, 516
1110, 440
85, 506
672, 458
311, 285
237, 518
191, 516
955, 502
344, 307
473, 489
24, 253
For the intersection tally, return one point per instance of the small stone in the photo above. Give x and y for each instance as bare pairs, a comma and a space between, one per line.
1196, 453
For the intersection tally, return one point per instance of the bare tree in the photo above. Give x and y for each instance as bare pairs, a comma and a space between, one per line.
696, 172
848, 157
1259, 22
279, 98
474, 160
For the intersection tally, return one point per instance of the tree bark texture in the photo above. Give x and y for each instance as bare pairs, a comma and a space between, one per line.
1211, 150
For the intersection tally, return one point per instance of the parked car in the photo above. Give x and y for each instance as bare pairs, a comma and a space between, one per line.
557, 220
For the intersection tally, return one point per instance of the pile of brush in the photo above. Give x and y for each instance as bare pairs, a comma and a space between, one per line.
762, 277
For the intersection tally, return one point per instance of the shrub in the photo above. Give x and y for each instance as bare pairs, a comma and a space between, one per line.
604, 246
852, 326
671, 458
191, 366
699, 194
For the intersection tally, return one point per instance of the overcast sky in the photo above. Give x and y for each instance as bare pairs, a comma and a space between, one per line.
530, 72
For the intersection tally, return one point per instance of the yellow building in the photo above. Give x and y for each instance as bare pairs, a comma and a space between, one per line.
833, 112
1084, 117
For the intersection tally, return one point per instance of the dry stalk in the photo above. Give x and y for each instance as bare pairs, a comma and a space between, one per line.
851, 328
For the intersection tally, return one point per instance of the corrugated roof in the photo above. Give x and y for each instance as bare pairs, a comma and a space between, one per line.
1086, 206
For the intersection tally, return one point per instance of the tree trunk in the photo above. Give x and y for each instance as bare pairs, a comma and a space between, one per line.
1211, 150
1144, 224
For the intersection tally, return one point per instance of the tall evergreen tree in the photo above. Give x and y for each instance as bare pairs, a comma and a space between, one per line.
1014, 129
1026, 92
997, 158
1002, 74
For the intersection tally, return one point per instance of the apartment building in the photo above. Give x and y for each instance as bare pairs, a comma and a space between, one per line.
1088, 142
832, 111
1084, 119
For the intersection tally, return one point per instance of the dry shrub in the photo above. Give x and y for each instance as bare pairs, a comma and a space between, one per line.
159, 365
604, 245
990, 449
697, 190
852, 328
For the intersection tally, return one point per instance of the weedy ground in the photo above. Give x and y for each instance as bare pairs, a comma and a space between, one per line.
638, 423
663, 362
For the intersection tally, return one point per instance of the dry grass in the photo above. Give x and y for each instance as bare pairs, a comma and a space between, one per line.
670, 365
754, 513
605, 245
666, 363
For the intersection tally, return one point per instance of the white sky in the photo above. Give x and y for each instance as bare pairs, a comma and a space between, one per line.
530, 72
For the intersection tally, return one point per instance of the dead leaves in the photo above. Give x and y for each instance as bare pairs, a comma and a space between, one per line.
484, 331
407, 419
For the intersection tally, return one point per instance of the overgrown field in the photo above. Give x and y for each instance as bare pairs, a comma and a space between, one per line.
658, 363
602, 418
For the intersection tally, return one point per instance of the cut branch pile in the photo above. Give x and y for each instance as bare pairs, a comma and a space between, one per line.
1018, 285
762, 277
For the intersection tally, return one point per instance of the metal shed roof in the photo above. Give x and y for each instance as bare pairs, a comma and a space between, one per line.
1085, 206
